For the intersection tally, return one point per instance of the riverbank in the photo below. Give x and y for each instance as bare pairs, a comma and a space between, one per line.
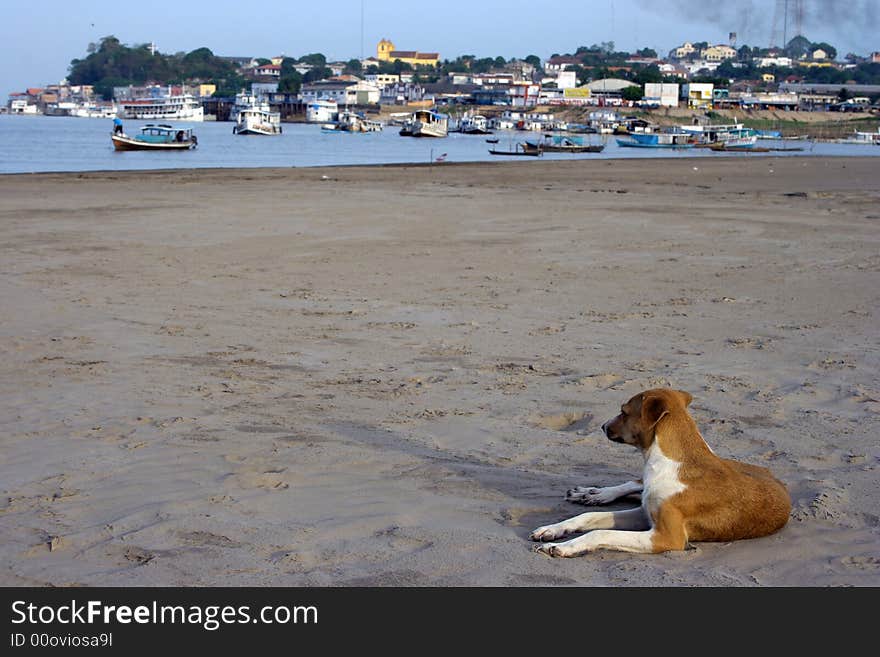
390, 375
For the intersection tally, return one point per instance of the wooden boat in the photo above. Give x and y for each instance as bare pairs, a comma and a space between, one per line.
738, 148
564, 144
657, 140
523, 148
156, 137
492, 141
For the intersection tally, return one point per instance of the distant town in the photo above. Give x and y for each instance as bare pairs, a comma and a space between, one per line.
799, 76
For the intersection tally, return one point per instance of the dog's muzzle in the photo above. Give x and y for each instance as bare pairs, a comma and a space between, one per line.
616, 439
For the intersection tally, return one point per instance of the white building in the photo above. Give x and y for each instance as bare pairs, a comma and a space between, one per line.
566, 80
523, 94
381, 79
781, 62
663, 93
696, 67
343, 92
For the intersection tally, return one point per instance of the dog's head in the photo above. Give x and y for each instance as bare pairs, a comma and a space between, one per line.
637, 423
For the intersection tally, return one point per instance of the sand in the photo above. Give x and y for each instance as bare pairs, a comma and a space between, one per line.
390, 375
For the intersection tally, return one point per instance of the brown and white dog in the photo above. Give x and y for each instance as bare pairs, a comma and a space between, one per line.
688, 493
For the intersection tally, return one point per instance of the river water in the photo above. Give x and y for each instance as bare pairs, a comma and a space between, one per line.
30, 144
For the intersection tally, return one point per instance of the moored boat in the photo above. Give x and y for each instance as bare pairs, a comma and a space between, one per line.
567, 144
355, 122
322, 111
170, 107
736, 143
156, 137
523, 148
425, 123
657, 140
476, 124
254, 116
865, 138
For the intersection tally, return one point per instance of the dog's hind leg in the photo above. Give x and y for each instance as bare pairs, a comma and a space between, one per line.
592, 495
631, 519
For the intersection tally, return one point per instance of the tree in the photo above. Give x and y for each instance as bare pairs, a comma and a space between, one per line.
843, 94
648, 74
797, 47
633, 93
647, 52
534, 60
262, 61
399, 66
500, 62
290, 80
315, 59
317, 73
354, 66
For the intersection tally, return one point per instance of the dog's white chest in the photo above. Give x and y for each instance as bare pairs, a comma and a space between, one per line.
660, 479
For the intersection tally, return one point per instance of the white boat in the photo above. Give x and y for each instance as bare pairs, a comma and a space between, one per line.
322, 111
747, 141
425, 123
500, 123
254, 116
182, 107
864, 138
352, 122
95, 111
476, 124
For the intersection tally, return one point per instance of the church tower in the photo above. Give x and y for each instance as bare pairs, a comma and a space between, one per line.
384, 50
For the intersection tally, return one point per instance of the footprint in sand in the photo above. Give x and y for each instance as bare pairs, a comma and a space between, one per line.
572, 421
748, 343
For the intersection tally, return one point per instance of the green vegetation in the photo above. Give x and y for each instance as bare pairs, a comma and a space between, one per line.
112, 64
633, 93
290, 80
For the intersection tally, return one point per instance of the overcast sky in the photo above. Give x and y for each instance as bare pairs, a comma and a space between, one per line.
40, 37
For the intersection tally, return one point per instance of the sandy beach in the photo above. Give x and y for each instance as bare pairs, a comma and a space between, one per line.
390, 375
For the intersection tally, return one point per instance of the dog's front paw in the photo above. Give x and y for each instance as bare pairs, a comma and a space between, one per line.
550, 549
588, 495
547, 533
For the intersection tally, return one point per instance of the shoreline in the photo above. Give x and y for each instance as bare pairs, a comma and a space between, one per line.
389, 375
733, 157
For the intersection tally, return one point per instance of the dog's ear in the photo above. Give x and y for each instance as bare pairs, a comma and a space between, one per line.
686, 397
653, 410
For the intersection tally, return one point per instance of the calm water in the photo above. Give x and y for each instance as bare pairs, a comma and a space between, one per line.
42, 143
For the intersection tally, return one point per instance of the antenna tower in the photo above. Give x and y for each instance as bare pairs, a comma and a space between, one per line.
785, 13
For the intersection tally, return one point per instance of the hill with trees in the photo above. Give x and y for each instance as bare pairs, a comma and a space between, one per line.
113, 64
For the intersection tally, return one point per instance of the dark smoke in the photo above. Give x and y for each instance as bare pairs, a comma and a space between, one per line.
853, 22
